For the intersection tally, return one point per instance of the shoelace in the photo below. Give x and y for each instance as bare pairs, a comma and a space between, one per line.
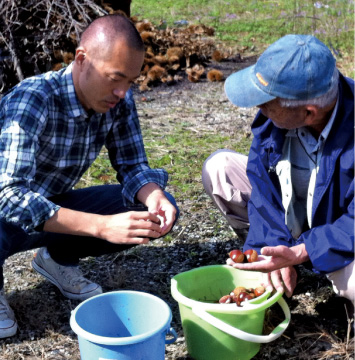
73, 275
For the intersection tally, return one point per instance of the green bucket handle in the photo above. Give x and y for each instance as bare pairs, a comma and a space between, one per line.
201, 312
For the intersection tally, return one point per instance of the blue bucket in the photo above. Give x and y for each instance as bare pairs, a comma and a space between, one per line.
123, 325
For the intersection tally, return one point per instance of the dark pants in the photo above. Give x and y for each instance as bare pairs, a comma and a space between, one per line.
68, 249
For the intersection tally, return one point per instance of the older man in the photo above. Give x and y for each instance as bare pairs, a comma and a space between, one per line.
295, 191
52, 128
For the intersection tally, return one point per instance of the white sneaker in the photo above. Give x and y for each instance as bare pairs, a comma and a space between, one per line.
69, 279
8, 325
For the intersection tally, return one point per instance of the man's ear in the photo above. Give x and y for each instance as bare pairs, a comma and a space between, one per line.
80, 55
311, 113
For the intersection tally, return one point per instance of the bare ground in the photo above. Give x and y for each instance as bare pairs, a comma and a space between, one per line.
319, 325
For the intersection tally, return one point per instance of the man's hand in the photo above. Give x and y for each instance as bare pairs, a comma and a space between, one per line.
283, 280
133, 227
277, 262
275, 258
157, 203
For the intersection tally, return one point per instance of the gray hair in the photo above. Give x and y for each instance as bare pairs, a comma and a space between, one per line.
320, 101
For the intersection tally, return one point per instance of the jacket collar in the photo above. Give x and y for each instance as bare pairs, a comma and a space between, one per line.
271, 138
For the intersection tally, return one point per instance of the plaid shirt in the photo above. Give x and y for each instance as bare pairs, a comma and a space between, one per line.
48, 141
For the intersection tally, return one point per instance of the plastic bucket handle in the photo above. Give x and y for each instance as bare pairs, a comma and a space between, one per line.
248, 307
202, 313
172, 333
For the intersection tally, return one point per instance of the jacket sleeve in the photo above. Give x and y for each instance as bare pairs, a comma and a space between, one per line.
331, 246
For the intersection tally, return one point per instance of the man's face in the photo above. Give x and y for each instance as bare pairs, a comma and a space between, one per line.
284, 117
103, 82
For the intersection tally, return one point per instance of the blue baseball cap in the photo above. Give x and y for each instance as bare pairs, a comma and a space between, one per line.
298, 67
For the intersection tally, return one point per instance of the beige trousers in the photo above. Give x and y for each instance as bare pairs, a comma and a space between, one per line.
225, 181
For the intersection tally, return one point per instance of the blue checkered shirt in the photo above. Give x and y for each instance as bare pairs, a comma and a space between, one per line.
48, 141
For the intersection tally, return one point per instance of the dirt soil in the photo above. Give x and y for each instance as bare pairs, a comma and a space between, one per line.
319, 323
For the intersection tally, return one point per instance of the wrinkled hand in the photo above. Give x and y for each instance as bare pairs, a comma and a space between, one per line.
275, 258
283, 280
277, 262
133, 227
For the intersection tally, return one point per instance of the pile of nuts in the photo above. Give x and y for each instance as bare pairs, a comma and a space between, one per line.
241, 294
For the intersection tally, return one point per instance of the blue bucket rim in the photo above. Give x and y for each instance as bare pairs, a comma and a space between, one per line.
103, 340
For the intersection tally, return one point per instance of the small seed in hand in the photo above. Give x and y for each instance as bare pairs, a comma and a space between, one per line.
161, 219
251, 255
237, 256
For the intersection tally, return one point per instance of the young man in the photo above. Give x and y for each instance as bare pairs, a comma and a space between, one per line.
295, 191
52, 128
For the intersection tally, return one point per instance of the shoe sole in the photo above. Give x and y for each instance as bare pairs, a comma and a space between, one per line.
11, 331
67, 294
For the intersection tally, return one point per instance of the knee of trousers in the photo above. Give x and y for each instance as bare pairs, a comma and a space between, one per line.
13, 239
343, 282
222, 166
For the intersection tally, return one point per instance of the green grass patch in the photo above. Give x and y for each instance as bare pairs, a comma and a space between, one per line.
256, 24
181, 153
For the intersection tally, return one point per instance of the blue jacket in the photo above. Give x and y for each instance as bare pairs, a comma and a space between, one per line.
330, 241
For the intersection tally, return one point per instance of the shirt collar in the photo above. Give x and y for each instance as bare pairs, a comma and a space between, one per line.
68, 94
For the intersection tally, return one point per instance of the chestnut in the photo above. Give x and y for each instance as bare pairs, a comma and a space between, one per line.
237, 256
251, 255
259, 291
243, 296
251, 292
234, 298
226, 299
238, 290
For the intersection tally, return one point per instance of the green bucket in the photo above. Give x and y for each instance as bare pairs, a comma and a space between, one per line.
223, 331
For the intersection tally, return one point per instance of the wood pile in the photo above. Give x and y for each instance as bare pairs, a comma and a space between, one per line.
41, 35
172, 53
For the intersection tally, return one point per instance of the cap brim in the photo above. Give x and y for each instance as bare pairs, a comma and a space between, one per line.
242, 91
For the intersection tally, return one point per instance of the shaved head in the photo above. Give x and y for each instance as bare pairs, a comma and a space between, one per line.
104, 32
